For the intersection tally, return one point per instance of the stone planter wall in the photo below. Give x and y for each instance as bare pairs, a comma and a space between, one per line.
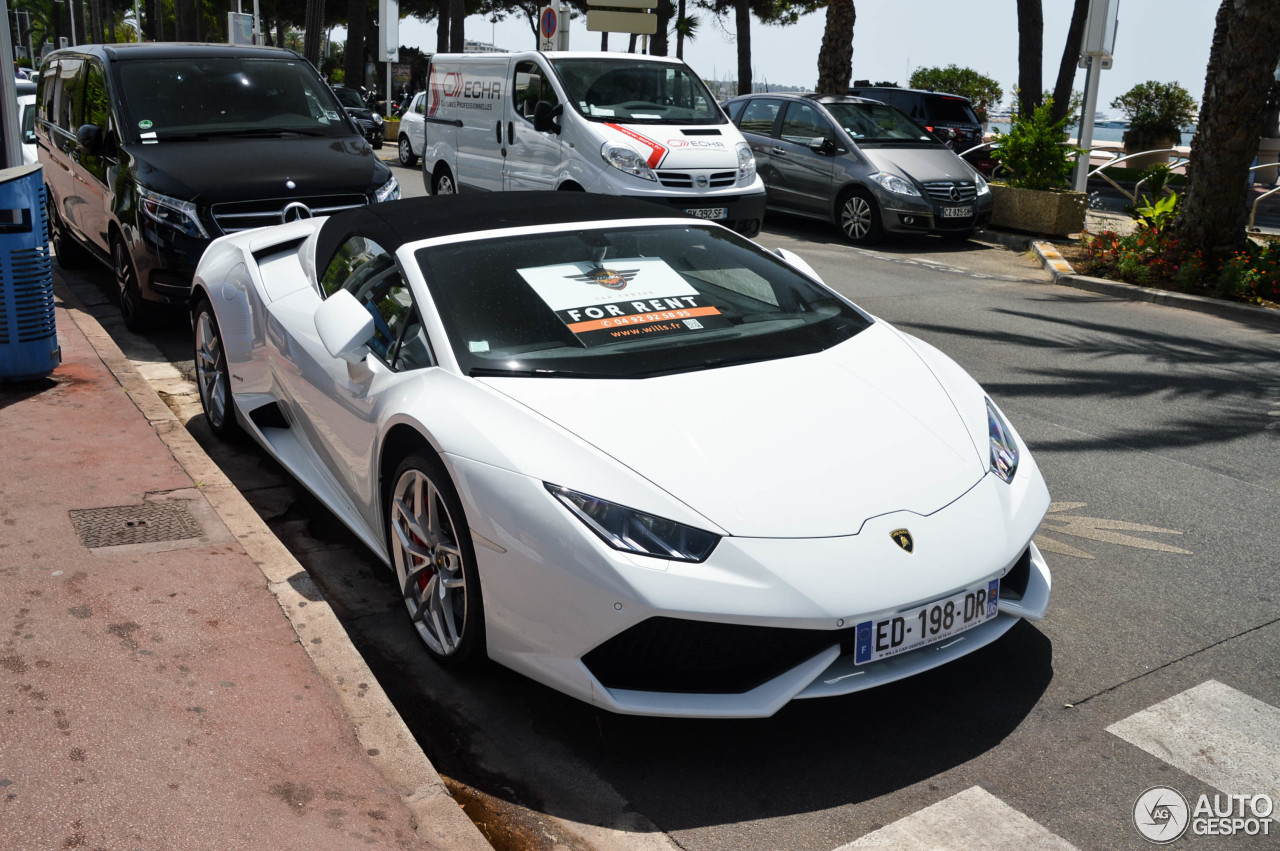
1036, 211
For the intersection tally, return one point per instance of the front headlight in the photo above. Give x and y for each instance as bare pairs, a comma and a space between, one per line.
634, 532
896, 184
377, 119
388, 191
981, 184
1004, 448
179, 215
624, 159
746, 162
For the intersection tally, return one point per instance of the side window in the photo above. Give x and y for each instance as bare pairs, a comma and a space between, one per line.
733, 110
803, 122
758, 116
97, 110
47, 87
531, 86
369, 272
67, 106
420, 104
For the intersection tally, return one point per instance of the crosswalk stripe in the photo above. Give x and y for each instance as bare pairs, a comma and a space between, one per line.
1216, 734
973, 818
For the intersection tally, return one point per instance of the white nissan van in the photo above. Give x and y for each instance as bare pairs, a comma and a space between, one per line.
612, 123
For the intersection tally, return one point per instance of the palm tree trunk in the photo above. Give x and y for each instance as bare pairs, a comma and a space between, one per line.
835, 60
457, 34
1030, 55
680, 30
1246, 48
1070, 57
742, 21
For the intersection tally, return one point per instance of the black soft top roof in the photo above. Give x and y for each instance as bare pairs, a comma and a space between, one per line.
393, 223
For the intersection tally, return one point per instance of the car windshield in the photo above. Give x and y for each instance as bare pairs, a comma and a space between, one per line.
877, 122
637, 92
201, 97
626, 302
350, 98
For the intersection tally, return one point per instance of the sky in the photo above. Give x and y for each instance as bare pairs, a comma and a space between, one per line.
1163, 40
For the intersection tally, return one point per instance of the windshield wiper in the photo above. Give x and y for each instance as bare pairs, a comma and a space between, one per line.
502, 372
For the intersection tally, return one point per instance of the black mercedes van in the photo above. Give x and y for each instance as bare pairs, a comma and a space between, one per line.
151, 151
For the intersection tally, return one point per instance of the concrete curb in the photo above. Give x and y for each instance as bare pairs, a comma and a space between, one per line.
1057, 266
378, 726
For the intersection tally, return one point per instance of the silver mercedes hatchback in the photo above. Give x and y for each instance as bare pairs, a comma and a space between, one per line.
861, 164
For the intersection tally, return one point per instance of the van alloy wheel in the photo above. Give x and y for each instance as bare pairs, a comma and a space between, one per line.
138, 314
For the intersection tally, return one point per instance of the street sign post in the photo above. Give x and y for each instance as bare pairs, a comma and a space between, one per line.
553, 27
1095, 54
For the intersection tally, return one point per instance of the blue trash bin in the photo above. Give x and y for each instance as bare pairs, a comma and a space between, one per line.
28, 339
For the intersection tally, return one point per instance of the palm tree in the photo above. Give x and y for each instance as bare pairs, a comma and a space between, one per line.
1030, 54
835, 60
1245, 51
686, 28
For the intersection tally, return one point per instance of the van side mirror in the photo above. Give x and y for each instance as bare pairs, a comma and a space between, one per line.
89, 140
544, 115
344, 326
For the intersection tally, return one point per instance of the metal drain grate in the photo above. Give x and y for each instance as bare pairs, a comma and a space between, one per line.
134, 524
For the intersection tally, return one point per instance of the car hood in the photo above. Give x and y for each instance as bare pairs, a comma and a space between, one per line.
923, 164
316, 166
810, 446
365, 113
675, 146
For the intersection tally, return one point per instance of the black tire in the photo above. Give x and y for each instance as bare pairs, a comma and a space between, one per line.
139, 315
70, 254
858, 217
407, 157
213, 377
435, 568
442, 182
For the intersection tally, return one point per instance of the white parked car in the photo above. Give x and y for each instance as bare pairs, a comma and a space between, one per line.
633, 456
411, 139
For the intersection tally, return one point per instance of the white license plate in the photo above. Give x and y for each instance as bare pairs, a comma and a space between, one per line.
957, 212
709, 212
932, 622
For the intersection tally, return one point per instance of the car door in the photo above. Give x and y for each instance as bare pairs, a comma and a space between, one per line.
413, 123
804, 175
757, 123
60, 110
533, 158
338, 404
95, 169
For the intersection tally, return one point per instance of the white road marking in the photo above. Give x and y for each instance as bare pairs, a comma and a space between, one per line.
1097, 529
973, 818
1215, 733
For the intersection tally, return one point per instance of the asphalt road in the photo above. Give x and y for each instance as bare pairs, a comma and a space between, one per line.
1158, 431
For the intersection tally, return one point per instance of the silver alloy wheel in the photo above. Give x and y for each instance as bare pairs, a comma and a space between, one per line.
406, 152
855, 217
444, 184
123, 270
211, 368
429, 562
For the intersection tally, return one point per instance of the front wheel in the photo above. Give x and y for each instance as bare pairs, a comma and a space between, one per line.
859, 218
435, 561
213, 378
139, 315
407, 156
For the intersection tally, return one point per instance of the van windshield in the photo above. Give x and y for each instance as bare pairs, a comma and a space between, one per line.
637, 92
203, 97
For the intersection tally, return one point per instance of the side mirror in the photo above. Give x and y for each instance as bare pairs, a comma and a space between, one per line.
798, 263
544, 115
89, 140
344, 326
821, 145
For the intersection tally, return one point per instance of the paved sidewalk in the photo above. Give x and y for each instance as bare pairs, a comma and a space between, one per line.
157, 694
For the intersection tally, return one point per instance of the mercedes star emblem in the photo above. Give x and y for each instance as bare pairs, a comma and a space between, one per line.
295, 212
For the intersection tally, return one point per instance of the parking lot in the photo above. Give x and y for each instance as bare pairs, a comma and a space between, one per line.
1157, 432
